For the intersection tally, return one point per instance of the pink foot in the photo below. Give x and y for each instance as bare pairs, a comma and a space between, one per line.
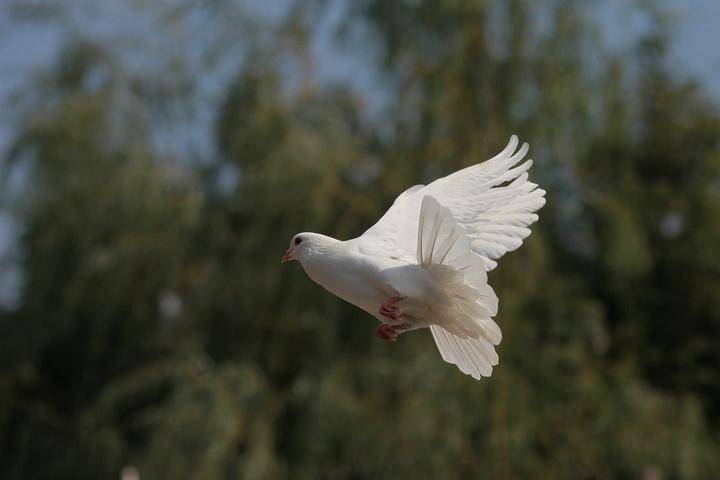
389, 309
390, 332
386, 332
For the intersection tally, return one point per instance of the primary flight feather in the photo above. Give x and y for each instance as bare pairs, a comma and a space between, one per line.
424, 264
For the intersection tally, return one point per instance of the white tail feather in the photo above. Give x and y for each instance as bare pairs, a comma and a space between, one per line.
463, 328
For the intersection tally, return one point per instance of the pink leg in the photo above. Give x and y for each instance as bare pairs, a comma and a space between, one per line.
390, 332
389, 309
386, 332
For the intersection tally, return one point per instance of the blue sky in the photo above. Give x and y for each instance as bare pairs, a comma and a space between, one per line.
696, 36
26, 48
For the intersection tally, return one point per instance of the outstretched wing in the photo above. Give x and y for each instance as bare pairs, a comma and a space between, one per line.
395, 234
493, 201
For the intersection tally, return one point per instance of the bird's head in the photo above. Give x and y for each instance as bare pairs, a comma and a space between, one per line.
306, 245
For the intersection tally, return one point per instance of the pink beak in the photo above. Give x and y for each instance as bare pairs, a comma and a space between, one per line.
286, 256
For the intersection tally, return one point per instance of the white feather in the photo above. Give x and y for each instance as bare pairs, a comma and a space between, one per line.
433, 247
478, 200
462, 324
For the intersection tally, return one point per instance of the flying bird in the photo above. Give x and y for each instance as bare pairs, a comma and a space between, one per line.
424, 264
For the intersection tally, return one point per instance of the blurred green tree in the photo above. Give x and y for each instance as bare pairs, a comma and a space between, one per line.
156, 329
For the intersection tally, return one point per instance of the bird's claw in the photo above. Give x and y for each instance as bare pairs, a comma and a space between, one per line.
386, 332
390, 332
389, 309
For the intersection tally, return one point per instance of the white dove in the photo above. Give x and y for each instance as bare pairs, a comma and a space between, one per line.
425, 262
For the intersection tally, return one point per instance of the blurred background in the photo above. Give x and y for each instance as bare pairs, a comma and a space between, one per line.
157, 156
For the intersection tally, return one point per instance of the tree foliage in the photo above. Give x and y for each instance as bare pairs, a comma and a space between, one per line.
155, 327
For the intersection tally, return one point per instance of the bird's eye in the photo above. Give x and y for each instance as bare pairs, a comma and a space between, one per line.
298, 240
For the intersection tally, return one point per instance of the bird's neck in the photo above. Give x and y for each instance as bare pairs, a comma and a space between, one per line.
323, 258
323, 252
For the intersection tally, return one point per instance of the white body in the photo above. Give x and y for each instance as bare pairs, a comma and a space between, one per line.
434, 247
366, 281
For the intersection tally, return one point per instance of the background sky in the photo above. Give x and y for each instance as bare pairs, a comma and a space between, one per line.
26, 48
